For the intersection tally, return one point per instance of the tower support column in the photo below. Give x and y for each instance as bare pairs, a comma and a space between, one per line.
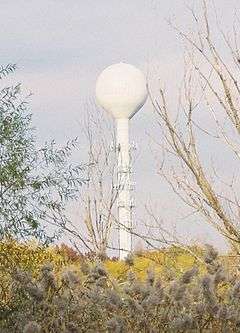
124, 188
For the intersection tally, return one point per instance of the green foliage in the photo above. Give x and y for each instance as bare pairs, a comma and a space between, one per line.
36, 184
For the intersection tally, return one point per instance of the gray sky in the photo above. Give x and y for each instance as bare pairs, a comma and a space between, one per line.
61, 46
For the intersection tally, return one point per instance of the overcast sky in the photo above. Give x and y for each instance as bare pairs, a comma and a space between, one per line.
61, 46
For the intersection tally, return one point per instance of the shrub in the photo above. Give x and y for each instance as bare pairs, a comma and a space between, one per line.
93, 301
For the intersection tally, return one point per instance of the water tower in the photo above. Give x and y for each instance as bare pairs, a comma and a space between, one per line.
121, 90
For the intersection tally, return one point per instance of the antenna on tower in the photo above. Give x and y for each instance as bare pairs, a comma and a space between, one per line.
121, 90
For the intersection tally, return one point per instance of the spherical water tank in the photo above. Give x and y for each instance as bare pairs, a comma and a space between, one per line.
121, 90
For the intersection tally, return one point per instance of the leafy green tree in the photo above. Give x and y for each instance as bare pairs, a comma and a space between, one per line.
36, 184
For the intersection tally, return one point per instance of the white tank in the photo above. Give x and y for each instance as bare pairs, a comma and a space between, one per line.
121, 90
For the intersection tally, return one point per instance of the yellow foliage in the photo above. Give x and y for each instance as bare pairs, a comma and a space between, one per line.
117, 269
163, 262
31, 256
27, 256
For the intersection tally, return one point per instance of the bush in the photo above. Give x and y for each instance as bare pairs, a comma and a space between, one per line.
92, 300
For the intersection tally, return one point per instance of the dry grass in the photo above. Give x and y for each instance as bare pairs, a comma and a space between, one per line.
86, 298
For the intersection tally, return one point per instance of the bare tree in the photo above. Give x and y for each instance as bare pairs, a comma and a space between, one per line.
211, 85
95, 218
99, 198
